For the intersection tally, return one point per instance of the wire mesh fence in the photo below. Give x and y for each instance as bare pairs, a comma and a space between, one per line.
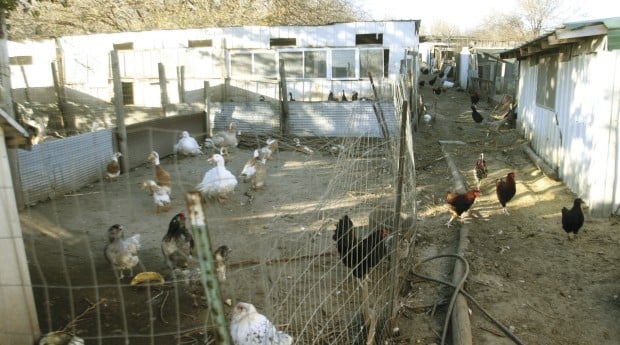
284, 256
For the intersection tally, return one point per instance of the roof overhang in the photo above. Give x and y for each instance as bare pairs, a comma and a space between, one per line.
561, 39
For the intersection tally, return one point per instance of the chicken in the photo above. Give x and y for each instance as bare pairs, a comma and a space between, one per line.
359, 255
161, 195
432, 81
255, 170
192, 277
221, 255
480, 170
178, 243
474, 97
187, 145
248, 327
60, 338
269, 149
217, 182
290, 97
120, 252
302, 148
505, 190
330, 97
354, 96
162, 177
572, 220
459, 203
224, 138
476, 115
113, 169
344, 97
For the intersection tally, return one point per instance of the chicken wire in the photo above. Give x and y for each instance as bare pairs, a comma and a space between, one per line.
296, 277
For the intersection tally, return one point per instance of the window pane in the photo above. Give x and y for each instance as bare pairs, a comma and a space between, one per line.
241, 65
293, 63
343, 63
315, 64
547, 80
371, 60
265, 65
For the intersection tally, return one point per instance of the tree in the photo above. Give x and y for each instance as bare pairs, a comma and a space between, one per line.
104, 16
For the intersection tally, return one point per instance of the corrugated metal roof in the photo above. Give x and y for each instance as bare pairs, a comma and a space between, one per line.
582, 29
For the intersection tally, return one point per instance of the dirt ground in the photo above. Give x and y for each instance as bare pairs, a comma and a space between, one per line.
523, 270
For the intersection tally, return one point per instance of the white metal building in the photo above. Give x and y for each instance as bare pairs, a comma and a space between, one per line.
569, 106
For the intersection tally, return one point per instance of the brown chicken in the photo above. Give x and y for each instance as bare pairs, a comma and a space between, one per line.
162, 177
459, 203
505, 190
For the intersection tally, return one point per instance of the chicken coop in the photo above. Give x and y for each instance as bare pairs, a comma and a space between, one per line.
336, 159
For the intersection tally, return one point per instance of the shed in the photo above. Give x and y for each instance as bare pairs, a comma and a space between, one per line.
569, 103
16, 298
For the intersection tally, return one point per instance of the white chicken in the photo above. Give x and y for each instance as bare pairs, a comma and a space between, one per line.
218, 182
302, 148
120, 252
224, 138
187, 145
113, 169
161, 195
267, 151
248, 327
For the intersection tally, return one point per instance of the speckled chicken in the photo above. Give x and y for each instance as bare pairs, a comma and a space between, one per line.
178, 243
480, 170
120, 252
248, 327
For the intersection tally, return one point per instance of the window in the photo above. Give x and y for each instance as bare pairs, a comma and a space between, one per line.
368, 39
282, 42
265, 65
127, 93
371, 60
293, 63
123, 46
315, 64
253, 64
199, 43
305, 64
241, 65
343, 63
547, 81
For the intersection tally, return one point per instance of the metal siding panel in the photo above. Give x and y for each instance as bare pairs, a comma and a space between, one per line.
56, 167
338, 119
255, 117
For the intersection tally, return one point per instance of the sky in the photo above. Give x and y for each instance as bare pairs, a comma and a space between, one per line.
468, 14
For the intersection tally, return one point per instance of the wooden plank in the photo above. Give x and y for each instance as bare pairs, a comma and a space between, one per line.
16, 298
586, 31
544, 167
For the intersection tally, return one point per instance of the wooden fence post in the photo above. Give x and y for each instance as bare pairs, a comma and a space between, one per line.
181, 83
120, 111
207, 100
283, 100
163, 89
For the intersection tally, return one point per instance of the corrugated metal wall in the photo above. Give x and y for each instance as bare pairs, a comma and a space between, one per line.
337, 119
580, 137
58, 167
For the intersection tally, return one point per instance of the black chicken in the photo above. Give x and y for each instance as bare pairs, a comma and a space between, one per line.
178, 243
359, 255
330, 97
354, 96
476, 115
505, 190
432, 81
474, 97
572, 219
344, 97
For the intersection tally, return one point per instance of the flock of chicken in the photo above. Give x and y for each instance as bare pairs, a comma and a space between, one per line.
505, 189
248, 327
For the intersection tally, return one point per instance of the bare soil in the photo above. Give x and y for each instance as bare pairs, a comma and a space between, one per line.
523, 269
